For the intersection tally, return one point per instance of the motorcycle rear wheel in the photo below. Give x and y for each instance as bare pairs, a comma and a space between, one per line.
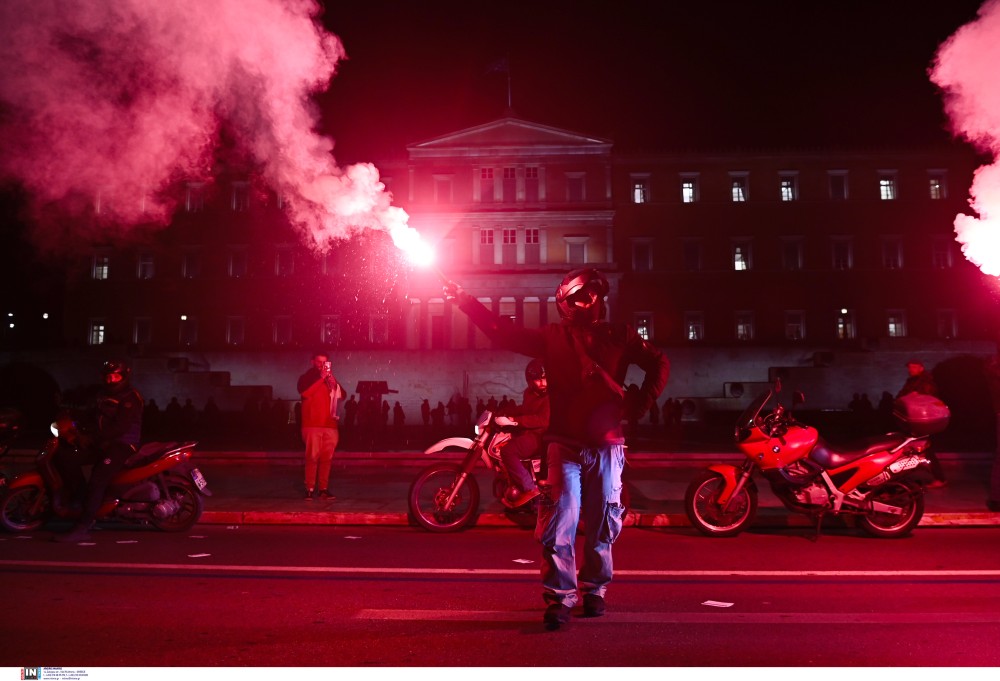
906, 495
428, 499
191, 506
703, 509
24, 509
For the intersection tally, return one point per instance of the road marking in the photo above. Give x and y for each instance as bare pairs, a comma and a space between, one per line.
494, 572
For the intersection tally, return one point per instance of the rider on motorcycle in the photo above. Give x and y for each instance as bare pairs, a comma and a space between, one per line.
531, 418
119, 426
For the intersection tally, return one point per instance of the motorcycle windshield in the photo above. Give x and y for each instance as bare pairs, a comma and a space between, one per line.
745, 423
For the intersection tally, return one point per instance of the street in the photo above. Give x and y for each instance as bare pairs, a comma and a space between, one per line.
294, 596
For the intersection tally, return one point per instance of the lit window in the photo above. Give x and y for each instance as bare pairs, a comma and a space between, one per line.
741, 255
846, 329
887, 185
640, 189
739, 187
937, 188
644, 325
789, 185
101, 267
95, 332
689, 188
744, 325
896, 323
694, 326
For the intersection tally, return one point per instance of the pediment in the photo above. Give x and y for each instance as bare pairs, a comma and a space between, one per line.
510, 134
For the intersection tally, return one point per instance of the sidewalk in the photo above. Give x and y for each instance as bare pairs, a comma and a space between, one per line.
251, 488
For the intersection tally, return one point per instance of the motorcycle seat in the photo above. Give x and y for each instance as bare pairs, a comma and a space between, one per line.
829, 455
148, 452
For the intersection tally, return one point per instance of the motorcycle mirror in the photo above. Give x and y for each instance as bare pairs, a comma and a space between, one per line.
798, 397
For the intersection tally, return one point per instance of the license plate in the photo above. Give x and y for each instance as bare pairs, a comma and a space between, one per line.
198, 478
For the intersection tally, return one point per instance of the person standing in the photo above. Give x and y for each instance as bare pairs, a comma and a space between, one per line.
919, 380
321, 394
119, 429
585, 359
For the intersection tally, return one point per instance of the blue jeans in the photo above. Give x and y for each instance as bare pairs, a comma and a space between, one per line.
585, 483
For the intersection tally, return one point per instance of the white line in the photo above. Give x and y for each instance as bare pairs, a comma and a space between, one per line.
497, 572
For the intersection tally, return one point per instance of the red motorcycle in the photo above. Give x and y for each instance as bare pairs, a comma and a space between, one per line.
880, 480
158, 486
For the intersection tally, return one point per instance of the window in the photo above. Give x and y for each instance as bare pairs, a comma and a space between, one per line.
284, 262
892, 252
692, 255
576, 249
838, 184
896, 323
142, 330
937, 187
941, 253
239, 199
236, 330
694, 326
281, 330
509, 252
236, 266
508, 309
329, 330
532, 246
742, 254
95, 332
188, 330
642, 255
486, 252
739, 187
788, 183
689, 187
744, 325
843, 252
532, 188
947, 327
144, 266
443, 188
795, 325
640, 188
509, 185
378, 329
576, 187
101, 267
644, 325
486, 185
846, 329
791, 253
194, 197
190, 264
887, 185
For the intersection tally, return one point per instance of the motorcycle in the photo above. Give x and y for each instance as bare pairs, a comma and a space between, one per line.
880, 480
158, 486
445, 496
10, 427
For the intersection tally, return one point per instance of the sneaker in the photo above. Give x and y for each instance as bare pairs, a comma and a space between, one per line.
309, 495
556, 615
79, 533
593, 605
323, 495
515, 498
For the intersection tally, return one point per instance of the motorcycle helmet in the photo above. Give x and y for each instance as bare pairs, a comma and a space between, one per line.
534, 371
115, 374
580, 296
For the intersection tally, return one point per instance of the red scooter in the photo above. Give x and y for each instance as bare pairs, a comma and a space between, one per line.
880, 481
158, 486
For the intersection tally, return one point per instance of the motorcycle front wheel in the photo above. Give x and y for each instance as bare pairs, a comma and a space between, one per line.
907, 496
707, 515
428, 499
189, 507
23, 509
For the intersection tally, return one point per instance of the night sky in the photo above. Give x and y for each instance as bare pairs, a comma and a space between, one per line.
661, 75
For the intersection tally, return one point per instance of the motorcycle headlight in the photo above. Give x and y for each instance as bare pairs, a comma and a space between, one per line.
54, 428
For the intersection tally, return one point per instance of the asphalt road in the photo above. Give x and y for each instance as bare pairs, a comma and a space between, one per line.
389, 596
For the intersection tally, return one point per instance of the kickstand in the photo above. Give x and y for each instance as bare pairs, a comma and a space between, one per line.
818, 528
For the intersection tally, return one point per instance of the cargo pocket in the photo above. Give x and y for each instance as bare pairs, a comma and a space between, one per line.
614, 515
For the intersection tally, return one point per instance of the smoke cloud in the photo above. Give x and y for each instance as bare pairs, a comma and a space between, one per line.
965, 68
113, 103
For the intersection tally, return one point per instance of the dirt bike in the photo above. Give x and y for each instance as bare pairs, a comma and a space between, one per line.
158, 486
879, 481
445, 496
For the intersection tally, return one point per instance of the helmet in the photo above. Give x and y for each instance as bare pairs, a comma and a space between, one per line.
580, 296
117, 368
534, 371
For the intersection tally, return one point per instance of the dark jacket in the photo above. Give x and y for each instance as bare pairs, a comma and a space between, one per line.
119, 416
583, 410
921, 383
532, 414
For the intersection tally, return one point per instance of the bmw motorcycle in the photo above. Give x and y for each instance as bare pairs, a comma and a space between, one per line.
445, 496
158, 486
880, 481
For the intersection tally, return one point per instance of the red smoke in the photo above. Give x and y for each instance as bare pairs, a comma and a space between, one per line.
118, 100
965, 69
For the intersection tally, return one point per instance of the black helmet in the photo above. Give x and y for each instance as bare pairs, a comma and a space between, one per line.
534, 371
577, 285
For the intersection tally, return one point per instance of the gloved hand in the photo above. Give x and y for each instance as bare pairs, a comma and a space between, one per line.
505, 421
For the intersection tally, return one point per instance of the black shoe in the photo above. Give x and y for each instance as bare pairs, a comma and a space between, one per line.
515, 498
78, 533
556, 615
309, 495
593, 605
323, 495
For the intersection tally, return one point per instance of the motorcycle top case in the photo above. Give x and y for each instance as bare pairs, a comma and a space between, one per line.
922, 414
